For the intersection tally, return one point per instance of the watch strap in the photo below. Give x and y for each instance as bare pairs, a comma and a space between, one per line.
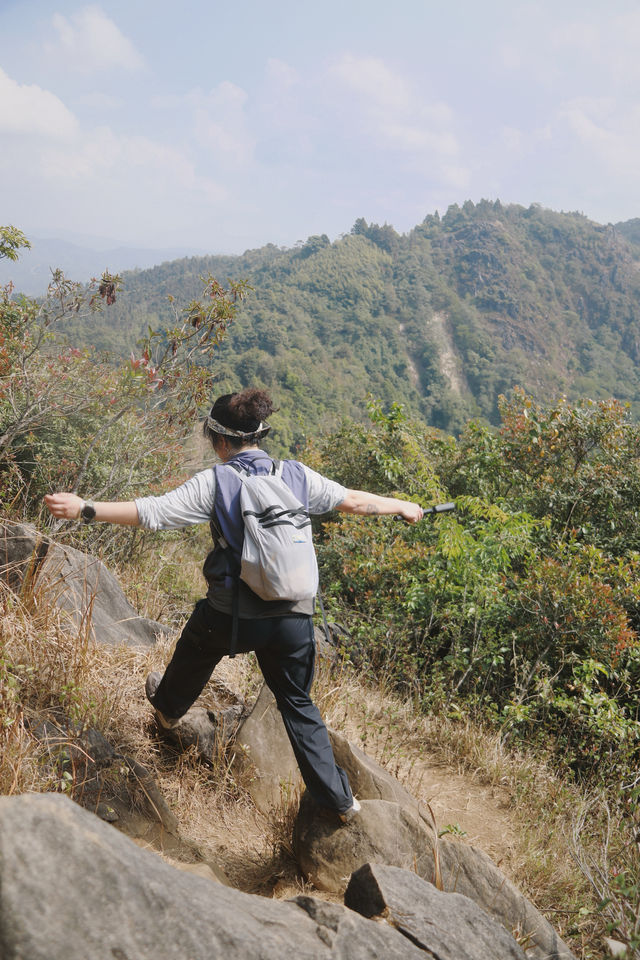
88, 511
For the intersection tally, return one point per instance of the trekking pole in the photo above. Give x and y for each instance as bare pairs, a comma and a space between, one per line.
440, 508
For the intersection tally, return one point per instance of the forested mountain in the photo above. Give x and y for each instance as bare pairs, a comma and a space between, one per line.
442, 319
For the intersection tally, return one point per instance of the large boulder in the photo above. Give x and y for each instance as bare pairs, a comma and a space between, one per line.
75, 583
264, 757
445, 925
72, 887
367, 778
328, 852
469, 871
395, 834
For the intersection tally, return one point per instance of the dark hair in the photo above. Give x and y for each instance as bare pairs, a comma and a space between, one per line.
243, 411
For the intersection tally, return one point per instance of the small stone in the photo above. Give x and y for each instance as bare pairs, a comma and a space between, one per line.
107, 813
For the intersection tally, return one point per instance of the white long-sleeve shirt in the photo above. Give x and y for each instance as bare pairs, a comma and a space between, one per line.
192, 502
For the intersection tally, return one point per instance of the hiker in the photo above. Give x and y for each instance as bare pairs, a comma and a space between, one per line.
279, 631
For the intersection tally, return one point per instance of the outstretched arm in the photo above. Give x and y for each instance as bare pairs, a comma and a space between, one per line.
67, 506
359, 501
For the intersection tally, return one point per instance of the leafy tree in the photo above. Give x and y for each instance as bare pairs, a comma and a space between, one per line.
504, 609
72, 418
12, 241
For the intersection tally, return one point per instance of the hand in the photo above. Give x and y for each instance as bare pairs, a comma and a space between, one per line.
67, 506
411, 512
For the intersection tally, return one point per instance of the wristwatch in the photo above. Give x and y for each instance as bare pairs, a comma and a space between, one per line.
88, 511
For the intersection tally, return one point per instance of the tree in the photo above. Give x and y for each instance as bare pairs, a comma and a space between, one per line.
12, 241
72, 418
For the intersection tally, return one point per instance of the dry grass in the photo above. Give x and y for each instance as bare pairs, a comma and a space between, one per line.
48, 671
547, 838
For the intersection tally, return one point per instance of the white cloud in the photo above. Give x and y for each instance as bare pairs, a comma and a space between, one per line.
609, 130
375, 81
386, 107
218, 121
104, 159
605, 40
89, 41
28, 109
285, 107
281, 74
513, 139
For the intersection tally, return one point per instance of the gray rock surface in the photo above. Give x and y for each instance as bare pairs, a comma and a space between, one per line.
79, 585
206, 730
469, 871
72, 887
394, 834
264, 757
448, 926
368, 779
328, 851
262, 740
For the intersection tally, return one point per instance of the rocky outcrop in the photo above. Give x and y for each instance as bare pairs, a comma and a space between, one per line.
77, 584
264, 758
471, 872
446, 925
72, 887
328, 852
208, 731
390, 833
368, 779
393, 828
267, 762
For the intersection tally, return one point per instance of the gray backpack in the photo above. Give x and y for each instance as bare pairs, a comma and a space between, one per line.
278, 559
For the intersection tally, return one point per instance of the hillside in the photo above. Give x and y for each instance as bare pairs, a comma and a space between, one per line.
443, 319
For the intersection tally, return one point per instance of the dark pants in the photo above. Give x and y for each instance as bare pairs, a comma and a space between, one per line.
285, 650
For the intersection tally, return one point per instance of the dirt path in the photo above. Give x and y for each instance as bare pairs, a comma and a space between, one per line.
462, 806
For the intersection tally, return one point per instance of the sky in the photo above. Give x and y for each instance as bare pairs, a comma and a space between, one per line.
223, 127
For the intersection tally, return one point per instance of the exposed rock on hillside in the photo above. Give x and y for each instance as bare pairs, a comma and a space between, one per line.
79, 585
71, 887
410, 904
387, 832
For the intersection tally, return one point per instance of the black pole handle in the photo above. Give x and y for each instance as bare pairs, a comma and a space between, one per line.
439, 508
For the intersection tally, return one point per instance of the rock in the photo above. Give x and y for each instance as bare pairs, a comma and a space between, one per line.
208, 871
72, 887
394, 834
368, 780
446, 925
197, 728
328, 851
79, 585
325, 649
615, 948
156, 807
263, 752
469, 871
107, 813
263, 740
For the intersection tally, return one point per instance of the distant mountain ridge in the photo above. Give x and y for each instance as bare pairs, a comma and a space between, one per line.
442, 319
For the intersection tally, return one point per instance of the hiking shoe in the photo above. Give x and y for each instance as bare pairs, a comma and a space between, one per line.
351, 812
151, 685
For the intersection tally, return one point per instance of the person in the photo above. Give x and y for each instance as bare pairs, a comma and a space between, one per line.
279, 631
